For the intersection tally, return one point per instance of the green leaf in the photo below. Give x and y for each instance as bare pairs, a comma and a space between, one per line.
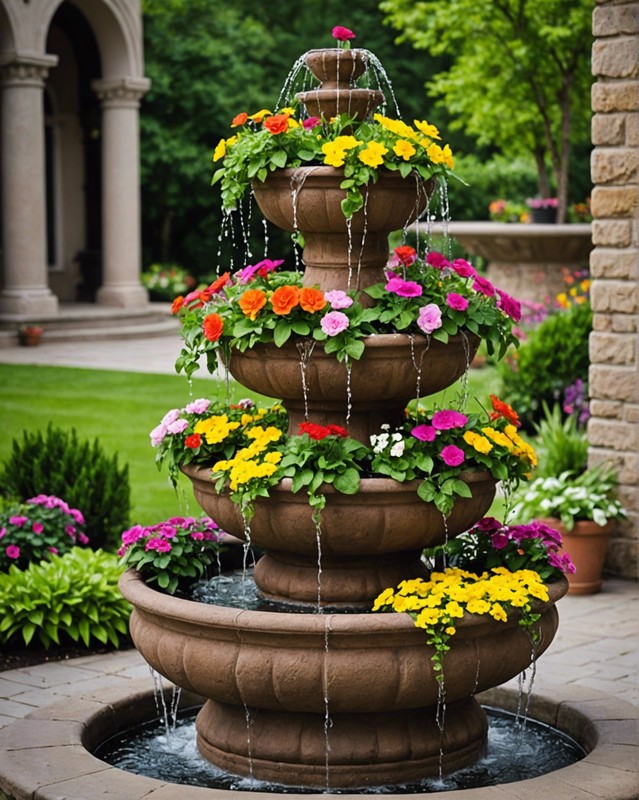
347, 482
281, 334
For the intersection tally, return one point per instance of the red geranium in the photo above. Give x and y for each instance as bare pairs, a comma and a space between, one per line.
193, 441
318, 432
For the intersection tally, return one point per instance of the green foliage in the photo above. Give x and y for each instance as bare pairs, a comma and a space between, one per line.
553, 356
59, 463
74, 597
561, 444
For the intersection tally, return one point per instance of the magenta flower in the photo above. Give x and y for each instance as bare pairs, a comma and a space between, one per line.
198, 406
425, 433
453, 456
403, 288
484, 286
463, 268
37, 527
510, 306
264, 266
311, 122
77, 515
338, 299
18, 520
437, 260
342, 34
197, 535
83, 538
333, 323
70, 530
430, 318
499, 539
447, 419
53, 550
3, 532
133, 535
161, 545
13, 551
456, 301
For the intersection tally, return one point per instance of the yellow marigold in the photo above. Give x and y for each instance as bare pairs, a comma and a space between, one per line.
373, 154
427, 129
479, 443
404, 149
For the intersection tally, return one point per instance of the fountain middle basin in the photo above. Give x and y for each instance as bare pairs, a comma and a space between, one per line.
371, 674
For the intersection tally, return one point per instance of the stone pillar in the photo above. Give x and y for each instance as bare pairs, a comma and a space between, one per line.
121, 238
613, 429
25, 291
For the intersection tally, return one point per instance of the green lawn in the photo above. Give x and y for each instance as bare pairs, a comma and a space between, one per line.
120, 408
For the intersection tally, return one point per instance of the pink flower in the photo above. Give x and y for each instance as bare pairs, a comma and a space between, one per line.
3, 532
425, 433
484, 286
18, 520
333, 323
311, 122
83, 538
197, 535
13, 551
456, 301
463, 268
262, 267
453, 456
499, 539
161, 545
198, 406
430, 318
342, 34
77, 515
37, 527
53, 550
133, 535
157, 435
446, 419
338, 299
403, 288
510, 306
170, 416
70, 531
437, 260
178, 426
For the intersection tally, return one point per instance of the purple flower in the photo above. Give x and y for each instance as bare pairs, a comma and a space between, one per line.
198, 406
484, 286
403, 288
463, 268
562, 562
177, 426
333, 323
453, 456
18, 520
430, 318
425, 433
456, 301
488, 525
338, 299
499, 539
197, 535
37, 527
446, 419
510, 306
13, 551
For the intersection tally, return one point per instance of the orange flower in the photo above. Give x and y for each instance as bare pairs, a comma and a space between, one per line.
503, 410
218, 283
240, 119
213, 325
312, 299
176, 305
285, 299
278, 123
252, 301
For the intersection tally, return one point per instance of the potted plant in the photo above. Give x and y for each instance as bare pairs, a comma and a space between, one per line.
543, 209
30, 334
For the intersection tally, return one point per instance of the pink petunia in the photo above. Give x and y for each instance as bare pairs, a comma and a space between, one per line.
430, 318
161, 545
13, 551
403, 288
463, 268
198, 406
83, 538
510, 306
437, 260
425, 433
456, 301
338, 299
70, 530
334, 323
77, 515
484, 286
53, 550
452, 456
448, 418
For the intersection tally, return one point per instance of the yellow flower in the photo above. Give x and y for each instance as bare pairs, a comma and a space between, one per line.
215, 429
372, 155
428, 617
288, 111
395, 126
404, 149
384, 599
427, 129
259, 115
333, 156
346, 142
450, 631
273, 457
479, 443
498, 613
293, 123
220, 150
498, 437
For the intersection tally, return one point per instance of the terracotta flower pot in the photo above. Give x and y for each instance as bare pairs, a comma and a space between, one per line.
586, 544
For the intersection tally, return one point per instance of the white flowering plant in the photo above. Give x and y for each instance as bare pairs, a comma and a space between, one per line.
429, 296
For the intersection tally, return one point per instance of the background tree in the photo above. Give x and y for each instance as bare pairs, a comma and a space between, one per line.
519, 76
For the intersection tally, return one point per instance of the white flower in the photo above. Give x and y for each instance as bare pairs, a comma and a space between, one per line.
398, 449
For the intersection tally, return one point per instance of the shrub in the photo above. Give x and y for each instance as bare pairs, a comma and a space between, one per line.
35, 530
74, 597
553, 357
58, 463
561, 444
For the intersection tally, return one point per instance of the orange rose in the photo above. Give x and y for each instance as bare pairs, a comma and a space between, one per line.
285, 299
213, 325
312, 299
252, 301
278, 123
176, 305
240, 119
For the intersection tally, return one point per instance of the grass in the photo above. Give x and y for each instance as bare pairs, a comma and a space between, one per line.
120, 408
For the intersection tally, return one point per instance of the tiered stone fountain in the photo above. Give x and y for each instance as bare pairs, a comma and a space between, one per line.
312, 698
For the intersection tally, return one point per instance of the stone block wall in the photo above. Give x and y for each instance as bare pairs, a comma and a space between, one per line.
613, 430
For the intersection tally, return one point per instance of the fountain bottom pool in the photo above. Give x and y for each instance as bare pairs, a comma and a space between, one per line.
515, 752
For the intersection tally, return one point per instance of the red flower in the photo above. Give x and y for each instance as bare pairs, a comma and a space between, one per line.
503, 410
218, 283
193, 441
406, 255
342, 34
213, 325
240, 119
337, 430
176, 305
276, 124
315, 431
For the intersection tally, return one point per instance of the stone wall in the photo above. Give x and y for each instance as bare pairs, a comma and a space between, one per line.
613, 429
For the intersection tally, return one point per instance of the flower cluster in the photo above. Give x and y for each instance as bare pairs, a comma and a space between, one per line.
446, 443
43, 526
491, 543
203, 431
542, 202
436, 604
167, 280
181, 548
507, 211
266, 141
260, 304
